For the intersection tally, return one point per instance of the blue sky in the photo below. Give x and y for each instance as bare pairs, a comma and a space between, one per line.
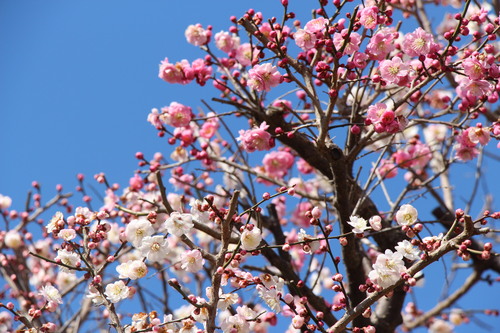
78, 79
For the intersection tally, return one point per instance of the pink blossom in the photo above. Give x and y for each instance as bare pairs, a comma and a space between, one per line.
277, 163
472, 89
226, 42
384, 120
154, 118
419, 43
360, 60
196, 35
202, 72
210, 126
256, 139
387, 169
316, 25
381, 44
177, 115
264, 77
394, 71
181, 72
245, 54
478, 134
353, 41
185, 134
474, 68
368, 17
304, 39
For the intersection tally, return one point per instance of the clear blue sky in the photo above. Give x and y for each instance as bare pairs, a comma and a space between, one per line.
78, 78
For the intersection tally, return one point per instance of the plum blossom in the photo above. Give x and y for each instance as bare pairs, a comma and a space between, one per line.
277, 163
137, 229
226, 42
235, 324
5, 202
250, 239
312, 246
352, 44
418, 42
132, 269
181, 72
474, 68
67, 234
368, 17
440, 326
358, 224
192, 261
51, 294
13, 239
408, 251
196, 35
384, 119
316, 25
154, 248
264, 77
375, 222
406, 215
176, 115
257, 138
478, 134
394, 71
67, 258
116, 292
245, 54
271, 296
179, 224
473, 89
55, 222
381, 44
95, 296
304, 39
387, 269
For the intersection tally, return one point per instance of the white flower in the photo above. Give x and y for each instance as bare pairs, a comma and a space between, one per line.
199, 215
406, 215
132, 269
13, 239
387, 269
5, 202
358, 224
376, 222
67, 258
235, 324
226, 300
154, 248
250, 239
54, 221
67, 234
96, 297
407, 250
117, 291
440, 326
179, 224
51, 294
138, 229
64, 280
192, 261
304, 237
271, 297
384, 278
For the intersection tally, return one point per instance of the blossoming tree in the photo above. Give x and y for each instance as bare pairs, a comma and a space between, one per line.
312, 192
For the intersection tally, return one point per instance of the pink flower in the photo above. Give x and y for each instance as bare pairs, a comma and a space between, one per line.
316, 25
474, 69
472, 89
381, 44
305, 39
177, 115
478, 134
256, 139
387, 169
210, 126
181, 72
418, 43
277, 163
264, 77
394, 71
368, 17
196, 35
154, 118
192, 261
226, 42
353, 41
202, 72
245, 55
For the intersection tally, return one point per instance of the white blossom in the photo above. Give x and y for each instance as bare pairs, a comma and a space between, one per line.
154, 248
132, 269
387, 268
67, 234
358, 224
13, 239
179, 224
192, 261
235, 324
271, 297
440, 326
138, 229
95, 296
5, 202
67, 258
117, 291
314, 246
54, 221
51, 294
376, 222
407, 250
406, 215
250, 239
